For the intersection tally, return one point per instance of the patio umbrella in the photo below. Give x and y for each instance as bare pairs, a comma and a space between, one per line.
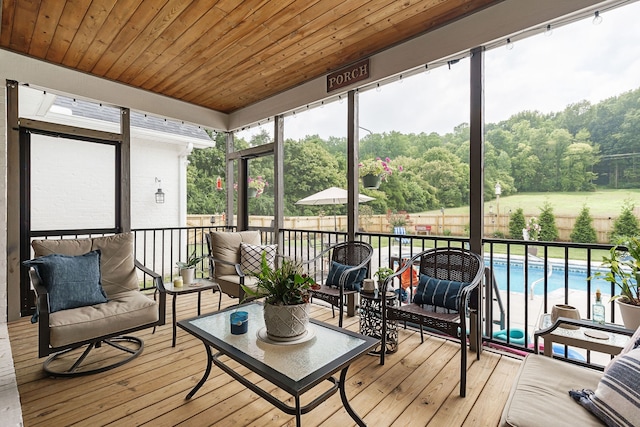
331, 196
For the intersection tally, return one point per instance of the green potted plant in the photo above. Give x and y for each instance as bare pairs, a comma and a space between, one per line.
624, 271
382, 274
187, 269
287, 293
373, 171
256, 186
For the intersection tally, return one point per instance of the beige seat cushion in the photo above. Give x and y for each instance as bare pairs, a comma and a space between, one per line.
124, 311
226, 246
117, 263
540, 394
230, 284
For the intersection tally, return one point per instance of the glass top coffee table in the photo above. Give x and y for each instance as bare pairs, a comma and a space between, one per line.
295, 368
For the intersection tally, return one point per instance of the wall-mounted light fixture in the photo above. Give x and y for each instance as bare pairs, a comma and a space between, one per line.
159, 193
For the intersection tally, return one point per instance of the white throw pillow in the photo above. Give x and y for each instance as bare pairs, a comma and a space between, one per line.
251, 257
616, 401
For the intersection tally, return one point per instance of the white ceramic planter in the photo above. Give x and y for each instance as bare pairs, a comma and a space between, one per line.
630, 314
187, 274
285, 322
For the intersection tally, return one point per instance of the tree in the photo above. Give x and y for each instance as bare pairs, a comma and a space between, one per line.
309, 168
525, 166
516, 224
547, 221
583, 231
578, 161
448, 175
626, 225
205, 166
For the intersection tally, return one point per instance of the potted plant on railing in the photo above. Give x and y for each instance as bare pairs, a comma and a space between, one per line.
373, 171
288, 293
532, 232
187, 269
624, 271
256, 186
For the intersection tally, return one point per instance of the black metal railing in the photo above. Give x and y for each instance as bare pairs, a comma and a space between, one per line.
525, 278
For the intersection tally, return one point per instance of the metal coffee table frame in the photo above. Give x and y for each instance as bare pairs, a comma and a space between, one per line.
294, 387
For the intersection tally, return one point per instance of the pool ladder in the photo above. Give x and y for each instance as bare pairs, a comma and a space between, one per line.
490, 276
549, 268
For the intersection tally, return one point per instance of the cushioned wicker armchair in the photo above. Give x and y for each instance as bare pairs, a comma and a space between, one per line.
340, 269
447, 289
88, 296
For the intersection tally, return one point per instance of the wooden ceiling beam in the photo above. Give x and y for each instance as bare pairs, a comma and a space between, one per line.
228, 54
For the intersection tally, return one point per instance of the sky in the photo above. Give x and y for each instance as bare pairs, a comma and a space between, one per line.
579, 61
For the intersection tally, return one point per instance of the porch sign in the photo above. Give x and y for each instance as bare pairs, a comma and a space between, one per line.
348, 75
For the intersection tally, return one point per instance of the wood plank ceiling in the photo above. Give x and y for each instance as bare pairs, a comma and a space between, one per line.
222, 55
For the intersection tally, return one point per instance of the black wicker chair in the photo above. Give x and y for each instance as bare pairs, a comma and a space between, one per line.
356, 255
450, 265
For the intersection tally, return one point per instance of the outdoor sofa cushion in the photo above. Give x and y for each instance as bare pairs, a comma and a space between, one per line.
540, 394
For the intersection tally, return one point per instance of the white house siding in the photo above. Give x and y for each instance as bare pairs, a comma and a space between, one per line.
151, 160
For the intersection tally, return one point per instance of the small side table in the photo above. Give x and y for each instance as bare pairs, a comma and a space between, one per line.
371, 320
616, 335
198, 285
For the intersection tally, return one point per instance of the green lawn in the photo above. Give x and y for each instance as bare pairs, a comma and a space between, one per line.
600, 203
553, 252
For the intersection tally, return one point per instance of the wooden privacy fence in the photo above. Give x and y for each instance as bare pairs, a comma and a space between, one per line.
439, 224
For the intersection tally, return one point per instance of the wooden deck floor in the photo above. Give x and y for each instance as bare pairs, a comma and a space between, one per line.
417, 386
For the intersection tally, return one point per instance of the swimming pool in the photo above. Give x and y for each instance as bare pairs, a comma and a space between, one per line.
577, 278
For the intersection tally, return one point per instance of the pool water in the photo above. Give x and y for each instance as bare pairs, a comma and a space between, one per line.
577, 279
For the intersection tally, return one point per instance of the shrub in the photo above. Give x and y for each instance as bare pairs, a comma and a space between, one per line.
547, 221
516, 224
583, 231
626, 225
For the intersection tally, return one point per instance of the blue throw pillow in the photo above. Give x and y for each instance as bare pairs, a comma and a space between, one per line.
441, 293
71, 281
352, 280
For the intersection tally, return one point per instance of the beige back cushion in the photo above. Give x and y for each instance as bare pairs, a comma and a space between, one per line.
64, 247
226, 246
117, 264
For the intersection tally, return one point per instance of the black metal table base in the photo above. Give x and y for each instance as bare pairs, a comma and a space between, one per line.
371, 322
296, 410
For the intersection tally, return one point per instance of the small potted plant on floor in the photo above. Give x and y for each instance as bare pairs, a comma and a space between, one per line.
187, 269
287, 292
624, 271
